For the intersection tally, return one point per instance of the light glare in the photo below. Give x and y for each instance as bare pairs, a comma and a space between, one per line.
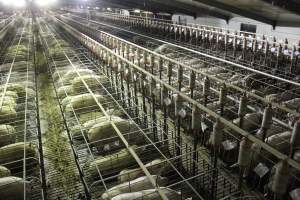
19, 3
43, 3
6, 3
14, 3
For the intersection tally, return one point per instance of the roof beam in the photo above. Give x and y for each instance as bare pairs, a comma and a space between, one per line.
170, 7
191, 8
152, 7
289, 5
237, 11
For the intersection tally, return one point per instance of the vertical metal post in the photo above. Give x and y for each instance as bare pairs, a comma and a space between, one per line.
217, 138
267, 121
205, 91
180, 77
169, 73
153, 97
192, 83
196, 132
222, 99
242, 109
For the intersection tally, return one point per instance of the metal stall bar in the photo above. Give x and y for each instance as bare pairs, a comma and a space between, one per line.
117, 39
270, 55
192, 26
17, 71
124, 141
101, 179
55, 177
190, 68
90, 42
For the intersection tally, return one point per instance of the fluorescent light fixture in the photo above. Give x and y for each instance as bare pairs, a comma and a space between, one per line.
137, 11
109, 9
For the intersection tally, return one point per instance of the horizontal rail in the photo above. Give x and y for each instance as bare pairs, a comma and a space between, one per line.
96, 47
190, 26
106, 37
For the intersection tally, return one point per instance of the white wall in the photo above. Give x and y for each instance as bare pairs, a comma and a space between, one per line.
293, 34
